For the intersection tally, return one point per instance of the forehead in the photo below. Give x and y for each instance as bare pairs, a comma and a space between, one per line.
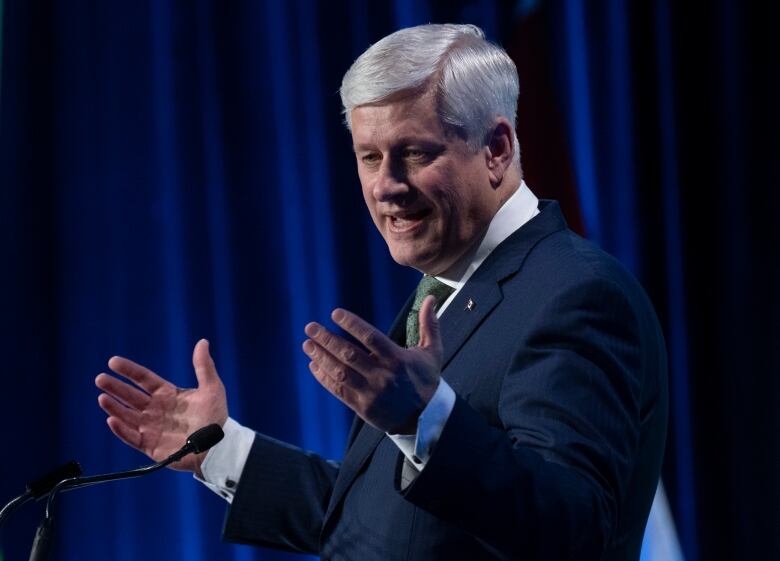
408, 119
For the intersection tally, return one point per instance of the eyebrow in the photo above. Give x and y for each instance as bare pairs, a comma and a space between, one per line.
403, 141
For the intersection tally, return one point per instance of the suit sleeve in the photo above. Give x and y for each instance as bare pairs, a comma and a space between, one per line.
281, 497
546, 482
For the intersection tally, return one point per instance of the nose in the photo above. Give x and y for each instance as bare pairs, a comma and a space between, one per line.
389, 182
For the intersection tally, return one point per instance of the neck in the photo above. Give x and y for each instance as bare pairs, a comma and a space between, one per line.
509, 185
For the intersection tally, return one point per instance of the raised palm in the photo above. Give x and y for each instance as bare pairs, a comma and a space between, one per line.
156, 417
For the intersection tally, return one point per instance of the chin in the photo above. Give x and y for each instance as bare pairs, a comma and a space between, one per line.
412, 259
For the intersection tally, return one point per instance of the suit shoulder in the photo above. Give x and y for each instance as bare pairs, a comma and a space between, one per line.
565, 268
563, 258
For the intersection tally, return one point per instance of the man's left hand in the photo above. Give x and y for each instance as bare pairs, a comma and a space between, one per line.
388, 386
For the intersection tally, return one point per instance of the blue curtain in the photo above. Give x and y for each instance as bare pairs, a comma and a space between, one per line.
177, 170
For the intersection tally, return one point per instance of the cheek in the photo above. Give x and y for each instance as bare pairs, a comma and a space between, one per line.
440, 185
463, 213
449, 198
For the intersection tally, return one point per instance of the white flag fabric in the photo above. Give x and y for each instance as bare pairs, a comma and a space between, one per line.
660, 542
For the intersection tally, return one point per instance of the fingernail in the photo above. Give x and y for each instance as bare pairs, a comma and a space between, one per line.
313, 329
338, 314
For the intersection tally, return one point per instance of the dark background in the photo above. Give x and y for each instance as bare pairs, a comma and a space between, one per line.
177, 170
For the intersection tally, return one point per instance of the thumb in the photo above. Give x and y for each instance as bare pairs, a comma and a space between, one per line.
205, 369
430, 335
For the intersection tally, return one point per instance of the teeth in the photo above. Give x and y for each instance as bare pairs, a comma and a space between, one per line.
408, 220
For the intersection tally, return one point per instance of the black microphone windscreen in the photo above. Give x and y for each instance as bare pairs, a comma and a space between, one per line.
203, 439
41, 486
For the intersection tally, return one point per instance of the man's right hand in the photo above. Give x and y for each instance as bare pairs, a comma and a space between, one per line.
157, 418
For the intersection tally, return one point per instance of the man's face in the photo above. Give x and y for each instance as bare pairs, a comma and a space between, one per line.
429, 194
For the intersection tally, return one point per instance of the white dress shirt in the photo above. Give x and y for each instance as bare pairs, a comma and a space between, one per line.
224, 463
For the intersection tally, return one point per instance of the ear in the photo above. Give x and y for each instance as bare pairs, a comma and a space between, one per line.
500, 150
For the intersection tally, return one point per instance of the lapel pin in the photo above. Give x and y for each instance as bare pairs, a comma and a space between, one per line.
470, 305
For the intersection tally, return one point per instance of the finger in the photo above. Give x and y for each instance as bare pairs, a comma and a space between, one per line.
127, 394
145, 378
351, 355
205, 369
340, 390
128, 416
125, 433
332, 366
373, 339
430, 334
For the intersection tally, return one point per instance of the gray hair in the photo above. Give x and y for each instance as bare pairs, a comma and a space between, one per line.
474, 81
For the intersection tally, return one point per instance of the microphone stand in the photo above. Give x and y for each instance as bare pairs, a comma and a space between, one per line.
45, 532
199, 441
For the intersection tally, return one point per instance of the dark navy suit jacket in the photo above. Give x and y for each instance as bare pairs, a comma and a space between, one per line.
552, 451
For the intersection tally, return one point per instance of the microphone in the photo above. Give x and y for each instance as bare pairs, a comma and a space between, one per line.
199, 441
39, 488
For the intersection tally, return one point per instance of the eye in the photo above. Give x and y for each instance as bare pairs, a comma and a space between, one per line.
371, 158
416, 155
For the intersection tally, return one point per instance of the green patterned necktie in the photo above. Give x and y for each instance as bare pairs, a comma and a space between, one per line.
428, 285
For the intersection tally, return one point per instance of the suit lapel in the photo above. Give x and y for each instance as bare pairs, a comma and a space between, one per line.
472, 304
366, 441
398, 330
482, 292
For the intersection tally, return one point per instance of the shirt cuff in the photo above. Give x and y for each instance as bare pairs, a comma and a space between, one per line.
418, 447
225, 461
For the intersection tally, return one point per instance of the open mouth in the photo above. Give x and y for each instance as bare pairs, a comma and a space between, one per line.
408, 221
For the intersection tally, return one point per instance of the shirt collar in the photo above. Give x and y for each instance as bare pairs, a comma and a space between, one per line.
516, 211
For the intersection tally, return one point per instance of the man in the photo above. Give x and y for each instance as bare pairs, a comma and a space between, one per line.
517, 410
